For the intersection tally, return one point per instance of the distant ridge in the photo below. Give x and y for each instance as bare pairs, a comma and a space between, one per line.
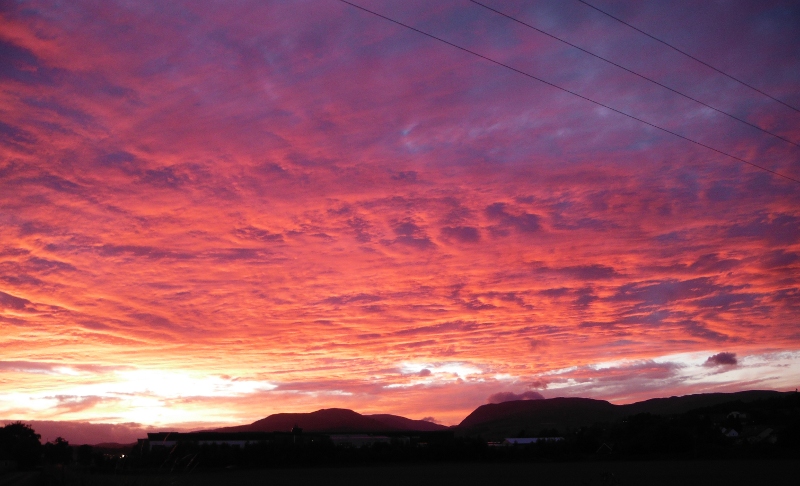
335, 420
672, 405
402, 423
508, 419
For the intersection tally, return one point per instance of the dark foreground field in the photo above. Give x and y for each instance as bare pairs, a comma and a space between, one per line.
682, 473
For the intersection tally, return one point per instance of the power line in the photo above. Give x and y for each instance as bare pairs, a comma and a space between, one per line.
568, 91
690, 56
635, 73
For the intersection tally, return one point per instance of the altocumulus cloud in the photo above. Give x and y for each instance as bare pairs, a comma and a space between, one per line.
336, 229
722, 359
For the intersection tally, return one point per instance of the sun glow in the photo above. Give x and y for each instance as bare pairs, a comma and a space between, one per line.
139, 395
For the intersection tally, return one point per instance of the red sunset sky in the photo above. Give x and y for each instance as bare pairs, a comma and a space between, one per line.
215, 211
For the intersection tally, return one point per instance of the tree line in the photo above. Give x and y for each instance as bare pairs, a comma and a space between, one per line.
21, 448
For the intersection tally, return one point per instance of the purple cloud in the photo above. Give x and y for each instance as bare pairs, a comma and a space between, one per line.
501, 397
722, 359
523, 222
463, 234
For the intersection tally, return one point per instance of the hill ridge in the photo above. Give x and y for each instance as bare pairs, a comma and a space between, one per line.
508, 419
334, 420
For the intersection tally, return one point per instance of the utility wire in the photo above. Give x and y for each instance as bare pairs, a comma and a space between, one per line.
568, 91
690, 56
635, 73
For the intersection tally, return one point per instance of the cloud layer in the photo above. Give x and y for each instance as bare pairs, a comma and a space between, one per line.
501, 397
304, 202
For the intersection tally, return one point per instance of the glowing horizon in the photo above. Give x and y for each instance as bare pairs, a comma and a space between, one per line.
215, 212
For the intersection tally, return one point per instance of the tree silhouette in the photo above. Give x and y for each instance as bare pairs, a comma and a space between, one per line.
85, 455
20, 443
58, 452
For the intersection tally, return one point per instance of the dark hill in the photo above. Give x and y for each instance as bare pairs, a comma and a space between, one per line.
674, 405
509, 419
402, 423
333, 420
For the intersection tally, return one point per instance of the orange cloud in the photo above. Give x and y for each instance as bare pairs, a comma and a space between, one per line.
214, 214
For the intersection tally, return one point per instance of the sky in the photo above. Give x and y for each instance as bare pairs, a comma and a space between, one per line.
215, 211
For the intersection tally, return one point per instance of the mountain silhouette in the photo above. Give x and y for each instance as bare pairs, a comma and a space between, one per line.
673, 405
509, 419
402, 423
334, 420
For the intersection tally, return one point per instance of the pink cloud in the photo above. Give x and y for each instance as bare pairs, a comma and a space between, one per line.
315, 200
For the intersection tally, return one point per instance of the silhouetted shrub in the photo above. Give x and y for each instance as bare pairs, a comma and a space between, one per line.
20, 443
58, 452
85, 454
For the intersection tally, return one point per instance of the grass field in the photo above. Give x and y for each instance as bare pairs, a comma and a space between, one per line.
705, 473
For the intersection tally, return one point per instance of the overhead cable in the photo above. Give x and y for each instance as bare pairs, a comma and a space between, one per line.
635, 73
569, 91
690, 56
